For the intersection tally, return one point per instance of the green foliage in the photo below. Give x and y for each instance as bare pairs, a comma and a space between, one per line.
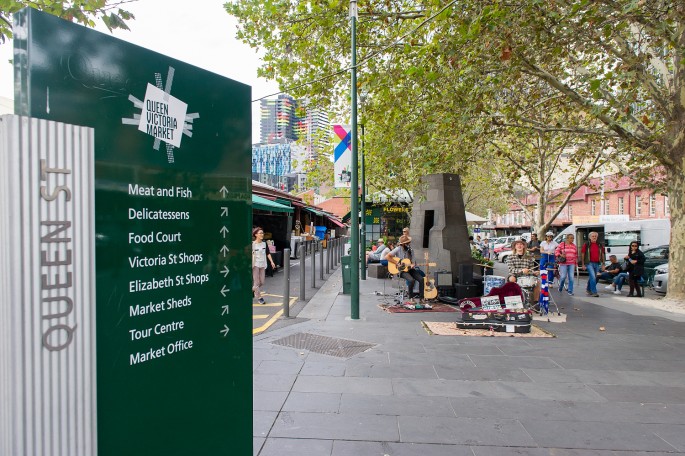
477, 255
81, 11
444, 84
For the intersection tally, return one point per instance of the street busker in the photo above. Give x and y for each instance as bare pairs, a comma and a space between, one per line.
547, 248
411, 275
566, 256
636, 268
260, 254
521, 263
592, 258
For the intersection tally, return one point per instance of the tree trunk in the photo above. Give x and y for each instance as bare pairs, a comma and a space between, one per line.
676, 203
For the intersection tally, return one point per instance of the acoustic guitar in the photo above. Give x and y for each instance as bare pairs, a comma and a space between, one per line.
401, 266
430, 291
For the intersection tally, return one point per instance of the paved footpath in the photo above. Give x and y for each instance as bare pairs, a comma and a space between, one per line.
615, 392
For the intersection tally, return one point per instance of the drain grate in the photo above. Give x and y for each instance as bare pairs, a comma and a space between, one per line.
331, 346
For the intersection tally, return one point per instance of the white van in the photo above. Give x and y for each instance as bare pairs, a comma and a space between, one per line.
617, 236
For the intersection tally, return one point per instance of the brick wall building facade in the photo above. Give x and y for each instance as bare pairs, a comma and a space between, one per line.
621, 198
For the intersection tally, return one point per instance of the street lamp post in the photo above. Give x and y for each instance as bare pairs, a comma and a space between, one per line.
362, 258
354, 186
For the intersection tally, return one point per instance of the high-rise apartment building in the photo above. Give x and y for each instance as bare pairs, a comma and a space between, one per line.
291, 135
316, 131
279, 120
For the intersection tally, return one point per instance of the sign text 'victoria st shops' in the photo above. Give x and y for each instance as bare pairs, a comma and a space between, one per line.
56, 258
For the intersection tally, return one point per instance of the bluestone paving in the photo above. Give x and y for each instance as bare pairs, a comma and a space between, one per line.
595, 435
392, 370
352, 448
296, 447
450, 372
328, 369
463, 431
660, 394
512, 408
629, 412
317, 384
619, 391
673, 434
268, 400
395, 405
313, 402
279, 367
349, 426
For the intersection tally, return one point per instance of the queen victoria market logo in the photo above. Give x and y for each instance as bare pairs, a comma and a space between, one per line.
162, 116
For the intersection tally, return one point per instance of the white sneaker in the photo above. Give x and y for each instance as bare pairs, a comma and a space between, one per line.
617, 292
609, 287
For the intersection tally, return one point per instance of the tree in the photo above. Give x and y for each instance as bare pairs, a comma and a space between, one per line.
621, 63
81, 11
432, 73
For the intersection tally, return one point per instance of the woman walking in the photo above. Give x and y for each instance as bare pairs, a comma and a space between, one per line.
259, 256
636, 268
567, 256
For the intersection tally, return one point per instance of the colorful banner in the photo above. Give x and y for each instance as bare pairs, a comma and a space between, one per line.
342, 154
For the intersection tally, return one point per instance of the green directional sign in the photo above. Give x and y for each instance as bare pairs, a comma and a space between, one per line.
172, 220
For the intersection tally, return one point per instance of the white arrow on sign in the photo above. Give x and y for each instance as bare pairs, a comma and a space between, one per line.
224, 211
224, 250
225, 310
223, 231
225, 331
224, 191
224, 290
225, 271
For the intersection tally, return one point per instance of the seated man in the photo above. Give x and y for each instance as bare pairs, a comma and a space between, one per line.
621, 278
375, 256
610, 272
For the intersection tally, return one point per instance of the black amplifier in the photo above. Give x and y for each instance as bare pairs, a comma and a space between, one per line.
466, 291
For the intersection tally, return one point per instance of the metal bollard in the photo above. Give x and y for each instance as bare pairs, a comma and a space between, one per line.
313, 264
303, 258
286, 280
320, 247
328, 256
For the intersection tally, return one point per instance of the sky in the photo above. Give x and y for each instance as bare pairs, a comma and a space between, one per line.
203, 35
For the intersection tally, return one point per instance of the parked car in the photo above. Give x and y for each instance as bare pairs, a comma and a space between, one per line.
504, 254
661, 278
503, 243
656, 256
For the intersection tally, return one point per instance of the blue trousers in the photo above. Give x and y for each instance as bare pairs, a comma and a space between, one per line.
592, 270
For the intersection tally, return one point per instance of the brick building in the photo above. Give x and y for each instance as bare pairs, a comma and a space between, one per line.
620, 198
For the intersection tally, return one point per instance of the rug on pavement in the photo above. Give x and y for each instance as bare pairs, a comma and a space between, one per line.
438, 307
449, 328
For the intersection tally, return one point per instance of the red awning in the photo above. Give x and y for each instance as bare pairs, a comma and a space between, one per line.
340, 224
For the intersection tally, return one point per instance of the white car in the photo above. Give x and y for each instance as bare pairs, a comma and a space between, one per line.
661, 278
503, 255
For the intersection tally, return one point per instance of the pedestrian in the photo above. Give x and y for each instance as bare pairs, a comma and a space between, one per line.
547, 248
636, 268
592, 258
566, 256
259, 256
534, 248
